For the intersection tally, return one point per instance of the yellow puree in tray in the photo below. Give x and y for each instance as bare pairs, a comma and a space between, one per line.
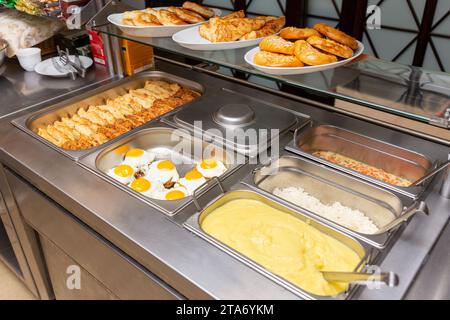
282, 244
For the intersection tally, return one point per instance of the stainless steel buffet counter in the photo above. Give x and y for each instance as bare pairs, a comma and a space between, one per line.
132, 250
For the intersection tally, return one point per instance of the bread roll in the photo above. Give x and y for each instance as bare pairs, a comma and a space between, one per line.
277, 44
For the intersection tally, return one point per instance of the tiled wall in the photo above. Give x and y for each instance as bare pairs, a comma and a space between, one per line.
387, 42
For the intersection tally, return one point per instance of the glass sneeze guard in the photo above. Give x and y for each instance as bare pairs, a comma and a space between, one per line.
403, 90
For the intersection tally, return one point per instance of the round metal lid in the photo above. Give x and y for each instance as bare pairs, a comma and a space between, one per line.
234, 115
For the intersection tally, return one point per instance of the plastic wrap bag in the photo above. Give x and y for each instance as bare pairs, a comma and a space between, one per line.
21, 30
8, 3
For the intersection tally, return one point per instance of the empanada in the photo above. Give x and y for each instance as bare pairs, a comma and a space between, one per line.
310, 55
270, 59
168, 18
201, 10
292, 33
277, 44
232, 29
188, 16
331, 46
337, 35
272, 26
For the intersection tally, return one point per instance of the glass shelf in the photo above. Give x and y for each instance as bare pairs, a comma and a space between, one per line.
406, 91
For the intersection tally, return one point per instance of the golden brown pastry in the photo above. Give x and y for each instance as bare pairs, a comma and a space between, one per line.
188, 16
292, 33
227, 30
205, 31
277, 44
147, 19
99, 123
330, 46
129, 17
272, 26
233, 15
337, 35
309, 55
140, 18
168, 18
201, 10
270, 59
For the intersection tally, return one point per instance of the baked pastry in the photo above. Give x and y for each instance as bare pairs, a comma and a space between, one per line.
140, 18
205, 32
168, 18
292, 33
309, 55
272, 26
331, 46
188, 16
337, 35
233, 15
201, 10
270, 59
277, 44
227, 30
97, 124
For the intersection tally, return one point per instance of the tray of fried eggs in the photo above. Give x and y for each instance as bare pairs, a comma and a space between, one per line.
156, 177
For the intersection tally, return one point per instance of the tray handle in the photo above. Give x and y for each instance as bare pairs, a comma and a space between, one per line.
202, 189
297, 130
431, 174
416, 207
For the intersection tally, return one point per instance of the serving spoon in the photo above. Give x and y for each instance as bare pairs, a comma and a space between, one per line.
389, 279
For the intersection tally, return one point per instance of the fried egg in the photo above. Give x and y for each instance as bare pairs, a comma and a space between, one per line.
176, 193
192, 180
143, 186
210, 168
162, 171
122, 173
138, 158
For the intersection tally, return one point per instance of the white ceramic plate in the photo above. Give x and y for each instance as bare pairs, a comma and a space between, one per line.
249, 58
46, 67
151, 31
191, 39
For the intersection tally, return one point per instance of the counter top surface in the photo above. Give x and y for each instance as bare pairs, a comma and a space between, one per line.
20, 89
189, 264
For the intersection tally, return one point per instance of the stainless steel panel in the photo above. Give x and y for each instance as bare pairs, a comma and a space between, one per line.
119, 273
46, 116
58, 263
365, 253
383, 207
23, 238
219, 116
391, 158
175, 144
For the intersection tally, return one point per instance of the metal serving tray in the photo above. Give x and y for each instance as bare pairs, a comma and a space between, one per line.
393, 159
366, 253
169, 143
42, 118
386, 209
243, 123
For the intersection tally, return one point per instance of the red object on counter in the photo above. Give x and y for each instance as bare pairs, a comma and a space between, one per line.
65, 4
97, 48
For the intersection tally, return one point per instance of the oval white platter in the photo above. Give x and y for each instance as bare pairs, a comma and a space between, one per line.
249, 58
191, 39
152, 31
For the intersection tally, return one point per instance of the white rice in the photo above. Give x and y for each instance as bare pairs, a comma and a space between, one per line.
345, 216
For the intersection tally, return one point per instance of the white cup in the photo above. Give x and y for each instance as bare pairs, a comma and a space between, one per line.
29, 57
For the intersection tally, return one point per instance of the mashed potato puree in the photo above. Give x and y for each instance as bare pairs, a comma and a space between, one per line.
282, 244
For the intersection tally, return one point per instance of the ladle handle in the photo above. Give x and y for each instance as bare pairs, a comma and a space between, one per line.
389, 279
